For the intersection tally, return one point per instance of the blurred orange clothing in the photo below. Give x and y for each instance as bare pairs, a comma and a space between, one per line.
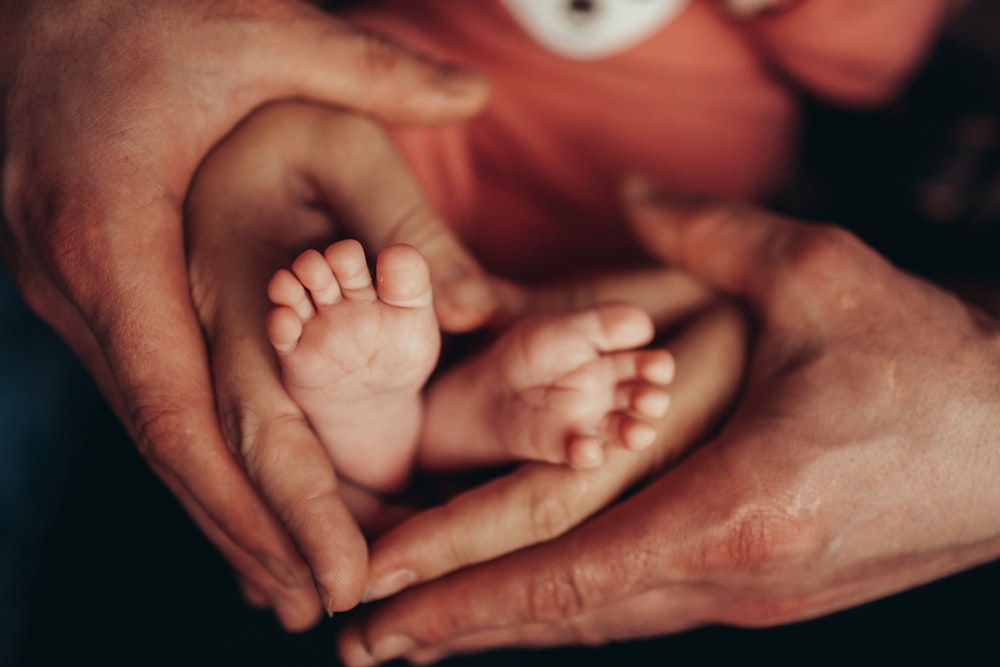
702, 104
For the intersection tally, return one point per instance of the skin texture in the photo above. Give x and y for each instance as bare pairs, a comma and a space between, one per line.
860, 460
108, 107
264, 196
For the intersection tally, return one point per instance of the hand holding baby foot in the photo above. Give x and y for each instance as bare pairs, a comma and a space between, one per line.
554, 388
295, 176
353, 353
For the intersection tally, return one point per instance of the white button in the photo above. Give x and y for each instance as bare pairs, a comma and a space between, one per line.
591, 29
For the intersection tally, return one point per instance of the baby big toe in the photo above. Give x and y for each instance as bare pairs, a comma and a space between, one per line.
403, 277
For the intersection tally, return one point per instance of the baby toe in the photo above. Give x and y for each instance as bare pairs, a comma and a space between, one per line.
350, 268
649, 401
585, 452
285, 289
284, 328
315, 274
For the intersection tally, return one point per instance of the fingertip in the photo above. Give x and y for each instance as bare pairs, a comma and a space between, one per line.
339, 562
464, 299
417, 89
389, 584
298, 613
465, 82
254, 596
352, 648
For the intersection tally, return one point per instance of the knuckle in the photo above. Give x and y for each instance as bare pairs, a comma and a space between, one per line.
751, 541
549, 515
240, 427
815, 253
555, 596
759, 540
256, 438
415, 223
159, 425
380, 57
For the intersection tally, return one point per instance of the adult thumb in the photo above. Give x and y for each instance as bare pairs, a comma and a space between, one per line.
465, 296
729, 244
317, 56
351, 160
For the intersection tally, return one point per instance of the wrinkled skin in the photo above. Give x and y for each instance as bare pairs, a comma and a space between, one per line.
860, 460
108, 108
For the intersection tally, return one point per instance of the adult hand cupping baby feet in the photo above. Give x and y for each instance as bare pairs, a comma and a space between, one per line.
109, 108
293, 177
536, 502
867, 426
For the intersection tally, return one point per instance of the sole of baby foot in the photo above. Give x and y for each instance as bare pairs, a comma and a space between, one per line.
355, 354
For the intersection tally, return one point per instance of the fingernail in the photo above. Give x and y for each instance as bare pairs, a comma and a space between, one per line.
639, 190
461, 80
329, 606
389, 584
393, 646
468, 289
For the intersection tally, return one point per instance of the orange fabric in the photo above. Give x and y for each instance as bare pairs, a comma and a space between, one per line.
531, 184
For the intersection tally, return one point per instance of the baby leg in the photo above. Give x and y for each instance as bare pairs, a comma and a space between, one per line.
355, 355
555, 388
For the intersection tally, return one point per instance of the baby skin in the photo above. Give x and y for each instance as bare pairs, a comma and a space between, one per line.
355, 355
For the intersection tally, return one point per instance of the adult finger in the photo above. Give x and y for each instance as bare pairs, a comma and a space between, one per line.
297, 607
285, 460
538, 594
289, 591
304, 52
735, 246
652, 613
265, 428
162, 388
363, 179
536, 502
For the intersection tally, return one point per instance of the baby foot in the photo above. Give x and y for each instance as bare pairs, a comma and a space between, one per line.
577, 384
355, 355
555, 388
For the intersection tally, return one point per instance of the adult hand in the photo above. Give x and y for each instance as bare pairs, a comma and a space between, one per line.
109, 106
860, 461
296, 176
